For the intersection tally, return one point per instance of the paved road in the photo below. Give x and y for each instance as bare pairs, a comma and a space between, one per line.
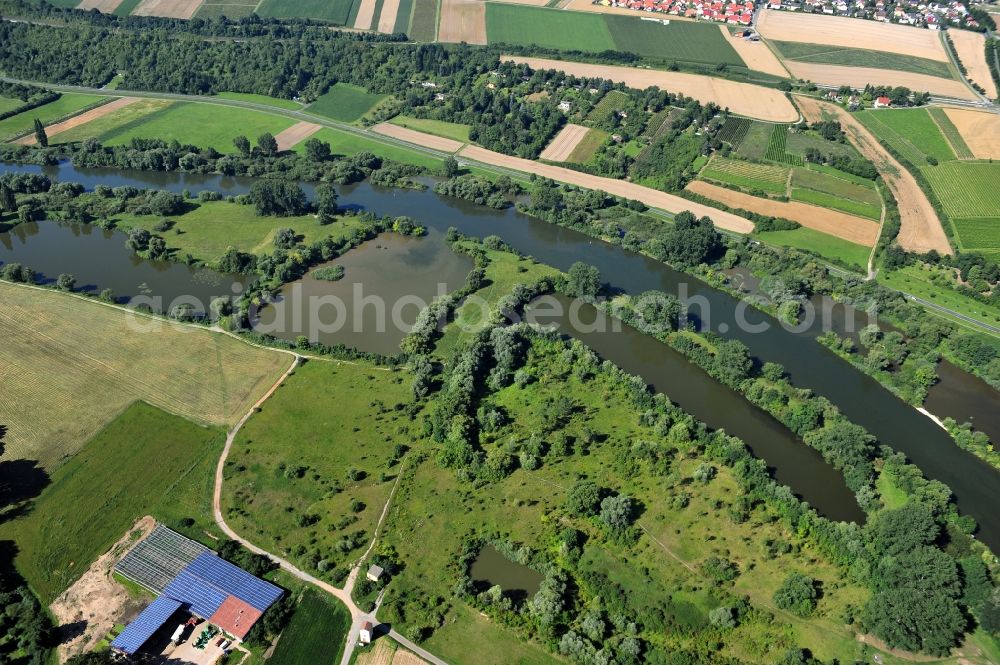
993, 330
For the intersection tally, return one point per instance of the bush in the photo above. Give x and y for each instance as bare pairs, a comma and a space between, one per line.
797, 594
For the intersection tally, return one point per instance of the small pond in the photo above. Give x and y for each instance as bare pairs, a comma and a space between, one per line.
491, 568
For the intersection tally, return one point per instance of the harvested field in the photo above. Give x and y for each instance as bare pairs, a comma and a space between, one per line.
971, 48
388, 16
757, 55
168, 8
859, 77
404, 657
419, 138
380, 653
105, 6
647, 195
921, 230
850, 33
742, 98
835, 223
82, 119
60, 350
96, 600
366, 13
979, 129
295, 134
564, 143
462, 21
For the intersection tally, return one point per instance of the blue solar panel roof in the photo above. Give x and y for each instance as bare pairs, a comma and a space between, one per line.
152, 618
208, 580
196, 593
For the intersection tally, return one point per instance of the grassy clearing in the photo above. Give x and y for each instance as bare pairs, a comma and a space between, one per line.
449, 130
911, 132
764, 177
316, 634
335, 11
98, 494
288, 486
67, 105
210, 228
856, 57
115, 122
551, 28
203, 125
261, 99
820, 243
967, 189
588, 146
684, 41
345, 102
918, 280
81, 363
346, 143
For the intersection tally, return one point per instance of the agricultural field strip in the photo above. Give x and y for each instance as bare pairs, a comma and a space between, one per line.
966, 189
81, 119
564, 143
747, 175
951, 133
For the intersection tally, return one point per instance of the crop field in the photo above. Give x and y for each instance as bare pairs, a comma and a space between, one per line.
735, 130
776, 150
403, 15
60, 351
746, 175
951, 133
449, 130
345, 102
825, 200
316, 634
683, 41
110, 124
203, 125
978, 234
856, 57
93, 499
60, 109
614, 101
423, 24
856, 196
798, 142
966, 189
588, 146
230, 10
335, 11
821, 244
755, 140
345, 143
308, 475
911, 132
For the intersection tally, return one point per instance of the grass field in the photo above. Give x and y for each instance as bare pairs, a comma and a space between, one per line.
403, 15
682, 41
68, 104
917, 280
9, 104
820, 243
852, 57
203, 125
126, 7
755, 140
449, 130
316, 634
345, 143
115, 122
288, 486
74, 365
335, 11
764, 177
112, 481
215, 10
966, 189
835, 202
798, 142
423, 25
345, 102
588, 146
823, 189
261, 99
951, 133
911, 132
978, 234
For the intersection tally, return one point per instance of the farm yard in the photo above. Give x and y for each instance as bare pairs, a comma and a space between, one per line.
345, 102
61, 350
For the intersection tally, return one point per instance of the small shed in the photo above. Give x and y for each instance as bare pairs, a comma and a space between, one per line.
374, 573
365, 633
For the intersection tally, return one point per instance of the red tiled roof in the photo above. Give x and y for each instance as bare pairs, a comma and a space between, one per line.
235, 617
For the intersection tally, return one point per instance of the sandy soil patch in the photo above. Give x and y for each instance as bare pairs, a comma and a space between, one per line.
295, 134
82, 119
832, 222
168, 8
743, 98
387, 18
589, 6
366, 13
419, 138
851, 33
971, 47
404, 657
651, 197
96, 600
757, 55
980, 129
859, 77
462, 21
921, 230
105, 6
564, 143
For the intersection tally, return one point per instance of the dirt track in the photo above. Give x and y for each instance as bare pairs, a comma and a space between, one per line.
104, 6
462, 21
859, 77
295, 134
743, 98
82, 119
647, 195
387, 17
419, 138
980, 129
564, 143
757, 55
833, 222
921, 229
971, 47
168, 8
850, 33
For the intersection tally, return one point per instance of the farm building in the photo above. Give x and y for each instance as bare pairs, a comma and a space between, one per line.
374, 573
190, 579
